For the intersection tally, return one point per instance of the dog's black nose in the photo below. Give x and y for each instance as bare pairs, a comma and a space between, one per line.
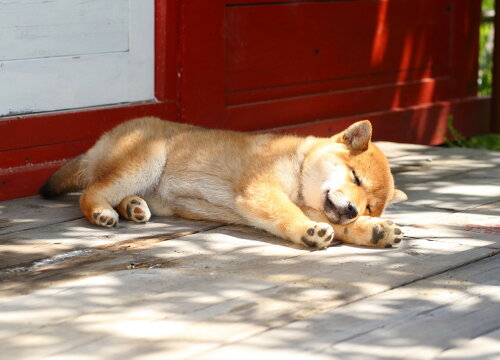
352, 210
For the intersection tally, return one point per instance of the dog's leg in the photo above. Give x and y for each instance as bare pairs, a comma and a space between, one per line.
116, 189
269, 208
369, 231
134, 208
365, 231
96, 206
114, 183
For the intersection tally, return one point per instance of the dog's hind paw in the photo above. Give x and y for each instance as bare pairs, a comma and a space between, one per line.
135, 209
318, 235
105, 217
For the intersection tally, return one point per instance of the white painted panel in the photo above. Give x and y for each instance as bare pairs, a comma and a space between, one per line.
66, 82
40, 28
101, 79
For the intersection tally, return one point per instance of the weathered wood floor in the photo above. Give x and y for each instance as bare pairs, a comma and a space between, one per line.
175, 289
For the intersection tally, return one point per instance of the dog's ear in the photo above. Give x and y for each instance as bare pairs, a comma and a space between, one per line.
358, 135
398, 196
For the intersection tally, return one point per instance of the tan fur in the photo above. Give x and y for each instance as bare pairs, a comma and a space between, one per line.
300, 189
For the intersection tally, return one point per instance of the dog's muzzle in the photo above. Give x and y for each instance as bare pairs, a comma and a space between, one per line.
339, 209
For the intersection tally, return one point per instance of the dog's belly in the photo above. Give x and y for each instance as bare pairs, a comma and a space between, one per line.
196, 196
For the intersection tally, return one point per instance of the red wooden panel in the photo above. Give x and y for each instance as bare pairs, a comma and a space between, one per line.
465, 46
56, 128
41, 154
495, 110
260, 2
24, 181
268, 114
201, 62
165, 49
280, 92
297, 43
420, 124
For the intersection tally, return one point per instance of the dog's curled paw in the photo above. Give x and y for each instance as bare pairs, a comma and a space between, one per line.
385, 234
318, 235
137, 210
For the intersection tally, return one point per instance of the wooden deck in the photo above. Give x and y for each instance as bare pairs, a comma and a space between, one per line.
176, 289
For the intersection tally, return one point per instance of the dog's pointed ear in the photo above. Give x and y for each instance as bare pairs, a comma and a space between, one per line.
358, 135
398, 196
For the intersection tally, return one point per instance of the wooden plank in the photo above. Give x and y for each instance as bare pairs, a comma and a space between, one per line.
23, 247
447, 166
35, 212
62, 28
469, 228
172, 294
475, 191
295, 285
483, 347
417, 321
394, 151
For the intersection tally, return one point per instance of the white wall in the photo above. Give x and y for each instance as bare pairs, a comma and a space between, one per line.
64, 54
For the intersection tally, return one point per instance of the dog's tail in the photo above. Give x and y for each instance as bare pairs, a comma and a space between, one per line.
72, 176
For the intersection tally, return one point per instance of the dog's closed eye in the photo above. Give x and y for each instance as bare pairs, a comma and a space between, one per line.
356, 178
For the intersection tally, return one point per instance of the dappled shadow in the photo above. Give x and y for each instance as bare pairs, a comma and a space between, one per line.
455, 178
235, 290
213, 288
34, 231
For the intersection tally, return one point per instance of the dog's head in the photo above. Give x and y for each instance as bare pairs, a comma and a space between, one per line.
347, 176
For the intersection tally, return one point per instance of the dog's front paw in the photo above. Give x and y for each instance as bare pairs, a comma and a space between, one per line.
318, 235
384, 233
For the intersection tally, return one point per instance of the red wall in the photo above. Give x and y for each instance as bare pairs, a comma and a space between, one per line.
308, 67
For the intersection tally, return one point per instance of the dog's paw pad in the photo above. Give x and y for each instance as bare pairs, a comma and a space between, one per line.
377, 234
319, 235
385, 234
106, 218
137, 210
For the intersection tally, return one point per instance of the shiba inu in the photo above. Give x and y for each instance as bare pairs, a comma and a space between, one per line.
309, 190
